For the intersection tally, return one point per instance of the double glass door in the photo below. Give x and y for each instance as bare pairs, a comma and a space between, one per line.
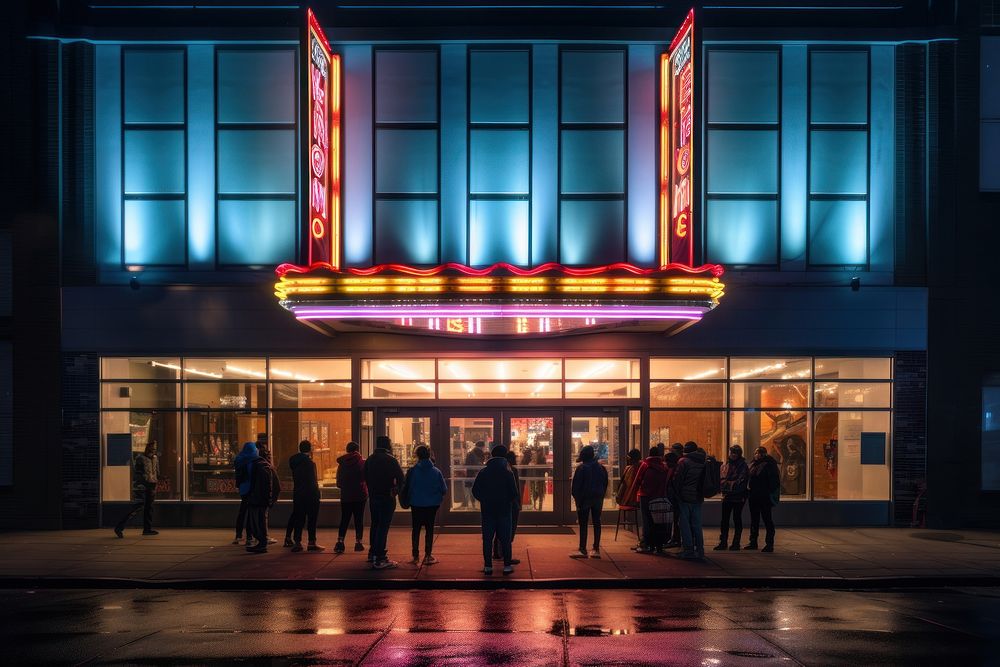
544, 446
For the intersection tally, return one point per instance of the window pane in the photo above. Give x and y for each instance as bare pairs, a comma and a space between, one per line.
498, 88
397, 390
742, 232
593, 232
742, 86
463, 434
256, 86
852, 395
214, 440
328, 432
310, 370
256, 232
602, 433
861, 368
706, 428
531, 441
785, 435
687, 395
124, 435
307, 395
602, 369
778, 369
209, 369
498, 161
774, 395
139, 395
688, 369
742, 161
406, 161
498, 390
851, 455
140, 368
990, 443
592, 161
154, 232
256, 161
406, 88
154, 86
838, 232
613, 389
498, 232
838, 162
406, 232
397, 369
154, 162
839, 87
593, 87
499, 369
229, 395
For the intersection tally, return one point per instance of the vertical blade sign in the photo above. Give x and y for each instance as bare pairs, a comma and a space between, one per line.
323, 157
680, 191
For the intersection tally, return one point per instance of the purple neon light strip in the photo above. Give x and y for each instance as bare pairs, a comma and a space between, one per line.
597, 312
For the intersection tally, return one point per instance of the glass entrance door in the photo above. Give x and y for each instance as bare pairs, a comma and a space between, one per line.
470, 437
407, 431
601, 430
533, 437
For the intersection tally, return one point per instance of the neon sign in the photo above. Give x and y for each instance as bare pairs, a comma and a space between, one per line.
677, 147
323, 156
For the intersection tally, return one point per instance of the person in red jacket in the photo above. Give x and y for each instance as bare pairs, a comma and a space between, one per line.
650, 482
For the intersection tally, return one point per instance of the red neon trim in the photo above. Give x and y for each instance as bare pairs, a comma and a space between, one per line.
715, 269
685, 26
314, 24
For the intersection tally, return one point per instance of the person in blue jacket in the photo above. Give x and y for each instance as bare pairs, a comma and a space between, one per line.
425, 491
241, 466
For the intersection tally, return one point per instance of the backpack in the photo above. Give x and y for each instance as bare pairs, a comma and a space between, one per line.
711, 478
662, 511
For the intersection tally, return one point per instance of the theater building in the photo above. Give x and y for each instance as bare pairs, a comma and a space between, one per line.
548, 226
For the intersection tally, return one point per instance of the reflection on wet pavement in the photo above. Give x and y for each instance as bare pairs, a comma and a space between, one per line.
571, 627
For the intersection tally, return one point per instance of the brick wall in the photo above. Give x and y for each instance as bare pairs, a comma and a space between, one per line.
81, 460
909, 441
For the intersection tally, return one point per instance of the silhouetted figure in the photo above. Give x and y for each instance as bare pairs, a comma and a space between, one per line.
735, 477
496, 491
764, 491
590, 483
145, 474
242, 465
353, 496
384, 478
425, 491
687, 483
305, 497
515, 511
264, 491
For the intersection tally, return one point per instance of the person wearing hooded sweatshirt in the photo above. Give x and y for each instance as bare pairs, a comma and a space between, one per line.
242, 467
515, 511
764, 489
734, 477
496, 491
590, 483
687, 487
353, 496
425, 490
305, 497
384, 479
650, 482
671, 459
264, 491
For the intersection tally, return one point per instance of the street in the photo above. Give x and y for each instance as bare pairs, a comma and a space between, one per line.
571, 627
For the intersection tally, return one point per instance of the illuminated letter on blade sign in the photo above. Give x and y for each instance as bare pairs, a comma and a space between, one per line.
681, 120
323, 155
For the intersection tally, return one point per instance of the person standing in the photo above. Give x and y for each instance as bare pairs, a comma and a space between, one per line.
515, 514
384, 479
496, 491
305, 497
353, 496
671, 459
242, 465
145, 474
264, 491
425, 491
764, 491
474, 460
735, 476
265, 453
650, 482
625, 496
687, 487
590, 483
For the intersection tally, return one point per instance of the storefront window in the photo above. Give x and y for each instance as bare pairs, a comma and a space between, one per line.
774, 395
309, 370
687, 395
302, 395
499, 390
602, 390
705, 428
601, 433
229, 395
215, 437
851, 455
852, 395
687, 369
224, 369
143, 368
772, 369
124, 436
785, 435
862, 368
327, 431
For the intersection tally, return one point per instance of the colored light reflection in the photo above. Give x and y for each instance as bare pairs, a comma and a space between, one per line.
499, 311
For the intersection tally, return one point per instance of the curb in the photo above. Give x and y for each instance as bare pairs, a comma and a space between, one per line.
834, 583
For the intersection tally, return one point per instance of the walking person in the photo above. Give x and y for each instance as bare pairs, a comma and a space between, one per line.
496, 491
264, 491
735, 476
650, 483
384, 479
305, 497
687, 484
242, 465
145, 474
764, 491
353, 496
425, 490
515, 512
590, 483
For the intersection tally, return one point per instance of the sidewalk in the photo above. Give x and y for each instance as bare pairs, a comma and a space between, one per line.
204, 558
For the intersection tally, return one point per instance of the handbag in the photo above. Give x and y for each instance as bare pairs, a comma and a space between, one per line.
662, 511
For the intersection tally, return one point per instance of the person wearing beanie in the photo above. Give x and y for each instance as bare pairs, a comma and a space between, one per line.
590, 484
384, 479
687, 488
496, 490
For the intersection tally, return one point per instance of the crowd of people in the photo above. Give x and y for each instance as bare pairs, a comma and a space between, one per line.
667, 489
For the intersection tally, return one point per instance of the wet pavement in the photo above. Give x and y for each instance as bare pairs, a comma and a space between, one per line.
552, 627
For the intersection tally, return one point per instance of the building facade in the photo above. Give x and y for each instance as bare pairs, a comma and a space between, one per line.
505, 229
